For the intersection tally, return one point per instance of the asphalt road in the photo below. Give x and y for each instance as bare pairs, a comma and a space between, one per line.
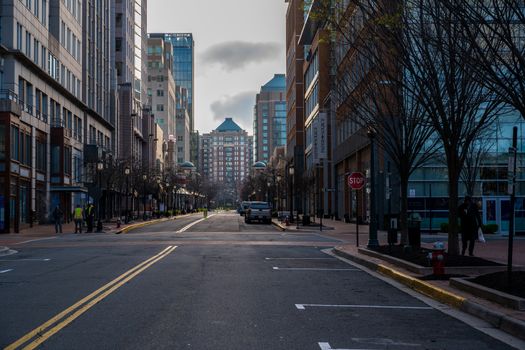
211, 284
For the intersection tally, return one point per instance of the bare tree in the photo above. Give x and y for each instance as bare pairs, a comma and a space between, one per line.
476, 155
436, 89
496, 31
372, 88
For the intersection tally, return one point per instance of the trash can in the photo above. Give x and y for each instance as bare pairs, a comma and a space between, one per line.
392, 231
414, 230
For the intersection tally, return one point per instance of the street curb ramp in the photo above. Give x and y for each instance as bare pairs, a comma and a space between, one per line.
499, 320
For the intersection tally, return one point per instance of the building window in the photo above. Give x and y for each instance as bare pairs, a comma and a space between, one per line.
28, 44
15, 143
3, 145
160, 108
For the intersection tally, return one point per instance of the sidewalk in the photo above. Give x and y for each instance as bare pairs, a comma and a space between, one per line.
494, 249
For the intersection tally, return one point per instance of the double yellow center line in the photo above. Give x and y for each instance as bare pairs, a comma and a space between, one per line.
43, 332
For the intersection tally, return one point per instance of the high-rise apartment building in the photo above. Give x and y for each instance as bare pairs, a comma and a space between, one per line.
161, 85
131, 67
184, 74
46, 118
182, 126
226, 157
295, 96
317, 73
269, 120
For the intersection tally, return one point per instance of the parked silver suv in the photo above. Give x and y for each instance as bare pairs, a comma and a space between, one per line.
258, 211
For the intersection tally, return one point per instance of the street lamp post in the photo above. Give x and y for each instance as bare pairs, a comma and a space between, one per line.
144, 178
372, 233
278, 194
291, 172
100, 167
127, 171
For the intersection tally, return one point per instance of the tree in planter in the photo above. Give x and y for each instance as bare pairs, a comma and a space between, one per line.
372, 88
436, 55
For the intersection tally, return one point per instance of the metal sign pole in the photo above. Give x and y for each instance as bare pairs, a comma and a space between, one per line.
357, 218
512, 163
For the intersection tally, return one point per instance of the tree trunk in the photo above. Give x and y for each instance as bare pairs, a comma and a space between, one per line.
453, 187
403, 217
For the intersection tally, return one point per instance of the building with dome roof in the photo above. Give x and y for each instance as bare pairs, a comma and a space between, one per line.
226, 155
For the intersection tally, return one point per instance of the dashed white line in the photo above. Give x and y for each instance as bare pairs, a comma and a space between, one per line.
311, 269
300, 259
396, 307
15, 260
5, 271
36, 240
326, 346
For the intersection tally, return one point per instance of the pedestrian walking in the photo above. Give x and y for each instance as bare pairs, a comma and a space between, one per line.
78, 216
57, 217
90, 217
470, 223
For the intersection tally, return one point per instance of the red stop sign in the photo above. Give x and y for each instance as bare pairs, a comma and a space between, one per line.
356, 181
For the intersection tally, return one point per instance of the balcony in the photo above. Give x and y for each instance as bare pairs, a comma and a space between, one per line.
9, 102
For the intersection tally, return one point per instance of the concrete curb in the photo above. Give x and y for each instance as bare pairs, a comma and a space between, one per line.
499, 320
279, 226
141, 224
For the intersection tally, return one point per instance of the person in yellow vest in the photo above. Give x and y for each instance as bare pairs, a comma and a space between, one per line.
78, 216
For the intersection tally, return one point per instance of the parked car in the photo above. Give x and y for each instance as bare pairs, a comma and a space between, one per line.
243, 207
258, 211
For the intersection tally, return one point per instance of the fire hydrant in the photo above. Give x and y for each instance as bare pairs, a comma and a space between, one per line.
118, 223
287, 220
437, 257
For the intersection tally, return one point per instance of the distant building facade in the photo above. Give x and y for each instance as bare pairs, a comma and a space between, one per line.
226, 156
269, 121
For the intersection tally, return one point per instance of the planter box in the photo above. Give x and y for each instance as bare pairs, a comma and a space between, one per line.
496, 296
424, 270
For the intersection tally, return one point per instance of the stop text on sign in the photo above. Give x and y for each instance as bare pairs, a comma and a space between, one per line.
356, 181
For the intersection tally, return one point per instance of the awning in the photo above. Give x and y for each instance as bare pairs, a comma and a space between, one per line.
69, 189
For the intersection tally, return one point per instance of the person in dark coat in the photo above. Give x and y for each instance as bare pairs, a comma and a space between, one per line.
470, 223
57, 217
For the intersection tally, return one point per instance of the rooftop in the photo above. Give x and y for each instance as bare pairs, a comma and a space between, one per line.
278, 82
228, 125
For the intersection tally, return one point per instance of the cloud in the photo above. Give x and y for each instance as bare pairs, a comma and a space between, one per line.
234, 55
239, 107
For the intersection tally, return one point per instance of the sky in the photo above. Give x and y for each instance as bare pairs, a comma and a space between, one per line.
239, 46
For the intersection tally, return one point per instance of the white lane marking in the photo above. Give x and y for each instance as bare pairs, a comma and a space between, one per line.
36, 240
382, 341
310, 269
396, 307
300, 259
5, 271
15, 260
187, 227
326, 346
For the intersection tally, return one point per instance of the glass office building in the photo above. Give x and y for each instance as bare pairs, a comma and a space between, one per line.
269, 122
428, 186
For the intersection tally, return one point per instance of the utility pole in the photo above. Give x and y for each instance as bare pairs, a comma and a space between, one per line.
512, 192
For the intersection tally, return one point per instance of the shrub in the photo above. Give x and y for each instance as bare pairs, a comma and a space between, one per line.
490, 228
